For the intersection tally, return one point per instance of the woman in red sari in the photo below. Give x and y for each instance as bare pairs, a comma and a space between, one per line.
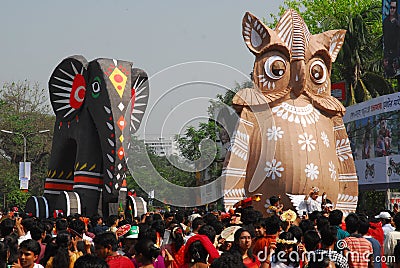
242, 246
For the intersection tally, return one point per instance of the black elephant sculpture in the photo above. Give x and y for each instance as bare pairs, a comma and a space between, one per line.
87, 169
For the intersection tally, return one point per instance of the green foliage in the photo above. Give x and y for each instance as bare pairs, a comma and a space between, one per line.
9, 186
229, 94
24, 109
162, 166
371, 202
189, 143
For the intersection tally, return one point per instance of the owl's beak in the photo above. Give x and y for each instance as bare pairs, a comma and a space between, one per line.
297, 80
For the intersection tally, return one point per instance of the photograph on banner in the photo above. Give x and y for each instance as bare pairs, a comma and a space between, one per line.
373, 128
393, 168
375, 136
391, 38
371, 171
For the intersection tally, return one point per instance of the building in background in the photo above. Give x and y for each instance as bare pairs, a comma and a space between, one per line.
162, 146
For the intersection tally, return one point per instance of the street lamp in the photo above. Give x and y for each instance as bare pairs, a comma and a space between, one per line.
24, 137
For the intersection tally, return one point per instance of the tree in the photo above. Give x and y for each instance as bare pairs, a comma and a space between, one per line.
9, 185
24, 109
189, 144
359, 62
209, 155
147, 176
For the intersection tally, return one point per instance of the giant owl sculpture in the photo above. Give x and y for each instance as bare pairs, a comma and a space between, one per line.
290, 136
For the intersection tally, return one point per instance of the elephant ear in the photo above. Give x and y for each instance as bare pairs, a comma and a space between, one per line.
140, 97
67, 86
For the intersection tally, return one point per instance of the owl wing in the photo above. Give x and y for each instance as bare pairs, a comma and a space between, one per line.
253, 97
327, 103
248, 97
347, 174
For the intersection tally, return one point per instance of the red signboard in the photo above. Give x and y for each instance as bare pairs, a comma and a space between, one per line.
338, 90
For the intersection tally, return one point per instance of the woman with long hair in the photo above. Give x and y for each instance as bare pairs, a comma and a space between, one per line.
11, 244
146, 253
174, 251
197, 255
199, 252
4, 254
242, 247
63, 256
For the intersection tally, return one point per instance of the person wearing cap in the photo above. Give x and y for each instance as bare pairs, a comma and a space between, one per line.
392, 238
386, 220
311, 200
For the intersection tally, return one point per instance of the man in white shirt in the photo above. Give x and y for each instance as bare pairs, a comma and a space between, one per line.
386, 220
311, 200
392, 238
28, 253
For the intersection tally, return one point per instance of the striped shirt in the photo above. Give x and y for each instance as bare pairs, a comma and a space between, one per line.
360, 250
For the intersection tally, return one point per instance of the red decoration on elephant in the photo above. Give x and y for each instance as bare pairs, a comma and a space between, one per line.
78, 92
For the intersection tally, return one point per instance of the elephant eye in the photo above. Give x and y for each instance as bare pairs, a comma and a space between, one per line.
275, 67
96, 87
318, 71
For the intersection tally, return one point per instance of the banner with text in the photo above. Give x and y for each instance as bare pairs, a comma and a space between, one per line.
374, 130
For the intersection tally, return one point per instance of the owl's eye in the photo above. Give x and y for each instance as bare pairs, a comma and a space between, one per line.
275, 67
318, 71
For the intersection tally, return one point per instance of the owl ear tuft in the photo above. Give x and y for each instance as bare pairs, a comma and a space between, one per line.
334, 41
255, 34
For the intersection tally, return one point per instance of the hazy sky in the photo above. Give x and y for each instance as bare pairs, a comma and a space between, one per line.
37, 35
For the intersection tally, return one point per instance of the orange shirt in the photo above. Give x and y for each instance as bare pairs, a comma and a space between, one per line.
262, 244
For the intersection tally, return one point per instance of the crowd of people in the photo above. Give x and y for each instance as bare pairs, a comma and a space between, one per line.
242, 237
